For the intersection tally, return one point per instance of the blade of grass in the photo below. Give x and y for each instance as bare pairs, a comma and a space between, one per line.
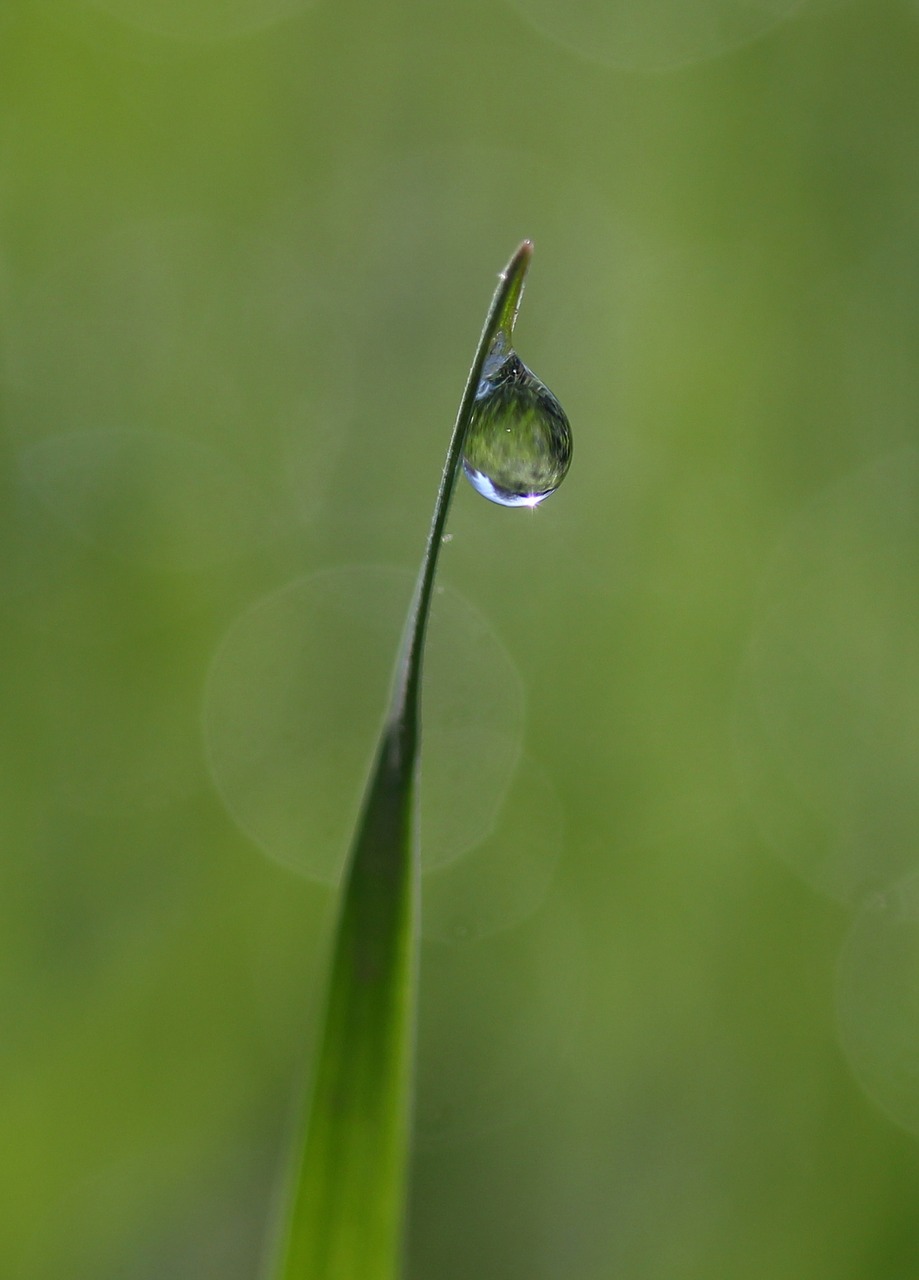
347, 1195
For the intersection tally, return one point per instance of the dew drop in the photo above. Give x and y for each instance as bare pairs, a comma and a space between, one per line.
518, 446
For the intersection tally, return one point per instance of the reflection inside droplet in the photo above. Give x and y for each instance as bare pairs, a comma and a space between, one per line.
518, 446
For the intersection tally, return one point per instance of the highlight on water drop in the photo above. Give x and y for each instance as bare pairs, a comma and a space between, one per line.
518, 446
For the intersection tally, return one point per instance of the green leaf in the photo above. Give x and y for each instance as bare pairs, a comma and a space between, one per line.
346, 1205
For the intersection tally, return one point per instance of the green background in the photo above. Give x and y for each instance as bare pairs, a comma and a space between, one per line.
246, 251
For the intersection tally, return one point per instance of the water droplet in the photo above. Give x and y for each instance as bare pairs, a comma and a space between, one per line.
518, 446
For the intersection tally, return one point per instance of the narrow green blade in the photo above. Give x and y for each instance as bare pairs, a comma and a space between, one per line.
347, 1201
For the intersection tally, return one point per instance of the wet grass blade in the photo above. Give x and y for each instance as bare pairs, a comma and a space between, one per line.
347, 1196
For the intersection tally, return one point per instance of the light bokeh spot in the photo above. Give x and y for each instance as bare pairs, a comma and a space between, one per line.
503, 880
290, 739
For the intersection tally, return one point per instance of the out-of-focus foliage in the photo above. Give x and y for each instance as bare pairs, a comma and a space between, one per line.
670, 1005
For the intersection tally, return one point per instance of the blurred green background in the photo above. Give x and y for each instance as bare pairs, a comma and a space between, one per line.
670, 1008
